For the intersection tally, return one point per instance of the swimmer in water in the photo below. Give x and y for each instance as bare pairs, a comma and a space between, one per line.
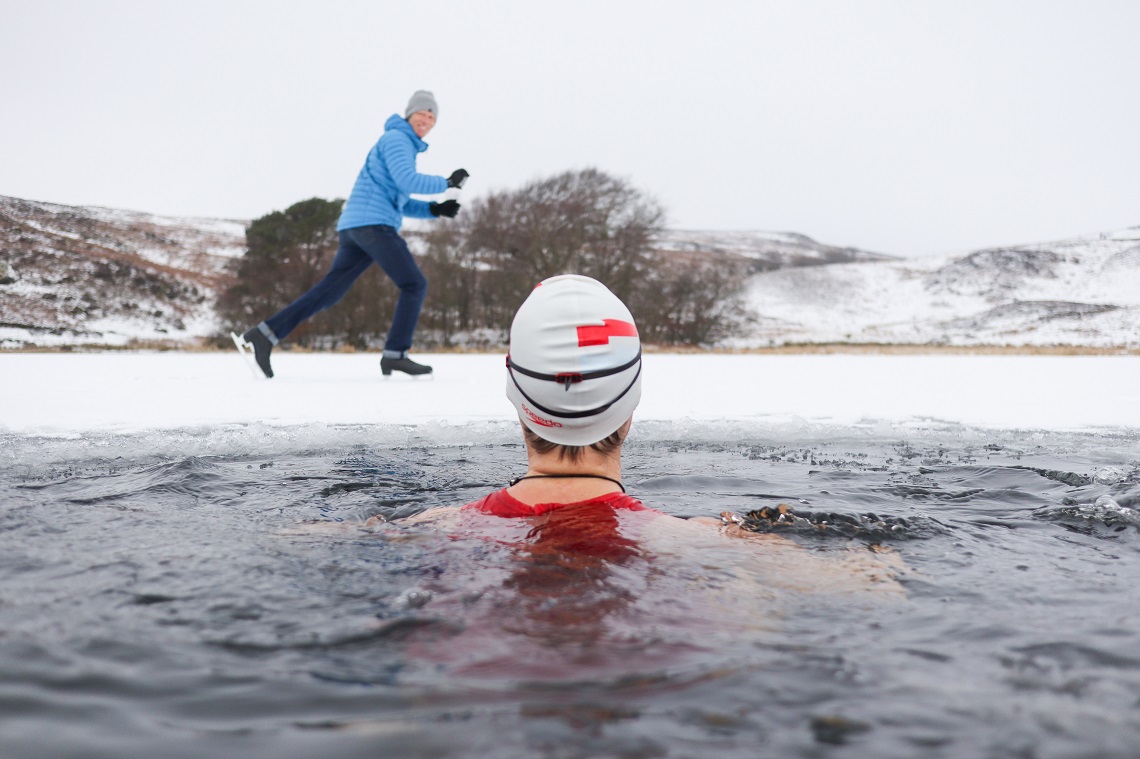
574, 373
562, 574
574, 377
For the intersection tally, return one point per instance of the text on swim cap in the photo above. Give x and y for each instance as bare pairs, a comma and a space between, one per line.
542, 421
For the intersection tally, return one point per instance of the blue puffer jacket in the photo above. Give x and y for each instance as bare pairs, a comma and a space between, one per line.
383, 189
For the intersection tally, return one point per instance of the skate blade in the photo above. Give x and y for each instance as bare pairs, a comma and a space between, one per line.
405, 377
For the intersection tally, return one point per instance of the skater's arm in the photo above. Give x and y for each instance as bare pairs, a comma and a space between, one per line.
418, 209
400, 158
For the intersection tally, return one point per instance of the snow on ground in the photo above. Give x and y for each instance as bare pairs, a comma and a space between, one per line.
718, 396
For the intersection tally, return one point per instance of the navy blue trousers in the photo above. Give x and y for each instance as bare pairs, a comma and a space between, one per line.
360, 247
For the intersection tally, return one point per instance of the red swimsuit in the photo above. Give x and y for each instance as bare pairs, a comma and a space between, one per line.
503, 504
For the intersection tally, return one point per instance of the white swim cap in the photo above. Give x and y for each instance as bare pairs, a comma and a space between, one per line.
574, 366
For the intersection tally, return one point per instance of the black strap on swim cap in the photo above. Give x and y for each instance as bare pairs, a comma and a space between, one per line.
566, 379
575, 377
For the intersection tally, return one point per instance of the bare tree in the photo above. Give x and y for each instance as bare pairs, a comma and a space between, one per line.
693, 301
452, 310
583, 222
482, 265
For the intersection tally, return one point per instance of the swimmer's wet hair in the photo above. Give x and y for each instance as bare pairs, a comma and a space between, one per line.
573, 453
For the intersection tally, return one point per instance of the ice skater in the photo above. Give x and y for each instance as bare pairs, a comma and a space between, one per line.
368, 231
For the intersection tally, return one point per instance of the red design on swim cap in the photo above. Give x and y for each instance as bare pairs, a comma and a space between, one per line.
592, 334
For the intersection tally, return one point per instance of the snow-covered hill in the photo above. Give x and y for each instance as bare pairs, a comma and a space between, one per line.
762, 251
1083, 291
72, 276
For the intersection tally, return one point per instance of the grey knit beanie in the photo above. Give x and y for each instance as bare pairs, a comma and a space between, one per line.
422, 100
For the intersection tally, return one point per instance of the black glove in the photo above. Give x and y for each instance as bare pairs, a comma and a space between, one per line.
457, 178
447, 208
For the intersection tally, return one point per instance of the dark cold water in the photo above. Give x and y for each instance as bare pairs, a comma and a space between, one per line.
216, 594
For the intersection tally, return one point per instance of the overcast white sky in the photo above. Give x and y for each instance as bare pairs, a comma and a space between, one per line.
898, 126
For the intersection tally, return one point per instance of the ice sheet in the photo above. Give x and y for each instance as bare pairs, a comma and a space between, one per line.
75, 393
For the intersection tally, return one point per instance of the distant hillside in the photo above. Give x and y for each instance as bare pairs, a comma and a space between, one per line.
96, 276
73, 276
1083, 291
763, 251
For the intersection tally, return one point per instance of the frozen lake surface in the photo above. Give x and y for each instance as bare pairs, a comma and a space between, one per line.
67, 393
184, 569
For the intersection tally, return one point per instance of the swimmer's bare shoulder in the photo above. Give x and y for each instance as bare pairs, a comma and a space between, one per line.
439, 516
773, 560
777, 561
442, 516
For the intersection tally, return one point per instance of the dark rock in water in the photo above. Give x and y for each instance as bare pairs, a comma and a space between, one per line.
836, 730
1105, 518
783, 518
781, 514
1068, 478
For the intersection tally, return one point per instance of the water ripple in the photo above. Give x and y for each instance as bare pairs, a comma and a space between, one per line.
216, 592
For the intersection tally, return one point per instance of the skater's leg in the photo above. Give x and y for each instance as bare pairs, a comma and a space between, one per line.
349, 264
390, 251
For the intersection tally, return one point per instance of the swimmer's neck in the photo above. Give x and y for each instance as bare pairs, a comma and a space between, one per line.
547, 487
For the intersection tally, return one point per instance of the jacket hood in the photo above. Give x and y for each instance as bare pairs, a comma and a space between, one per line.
397, 123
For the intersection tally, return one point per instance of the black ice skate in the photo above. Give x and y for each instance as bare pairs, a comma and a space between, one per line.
261, 346
405, 365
